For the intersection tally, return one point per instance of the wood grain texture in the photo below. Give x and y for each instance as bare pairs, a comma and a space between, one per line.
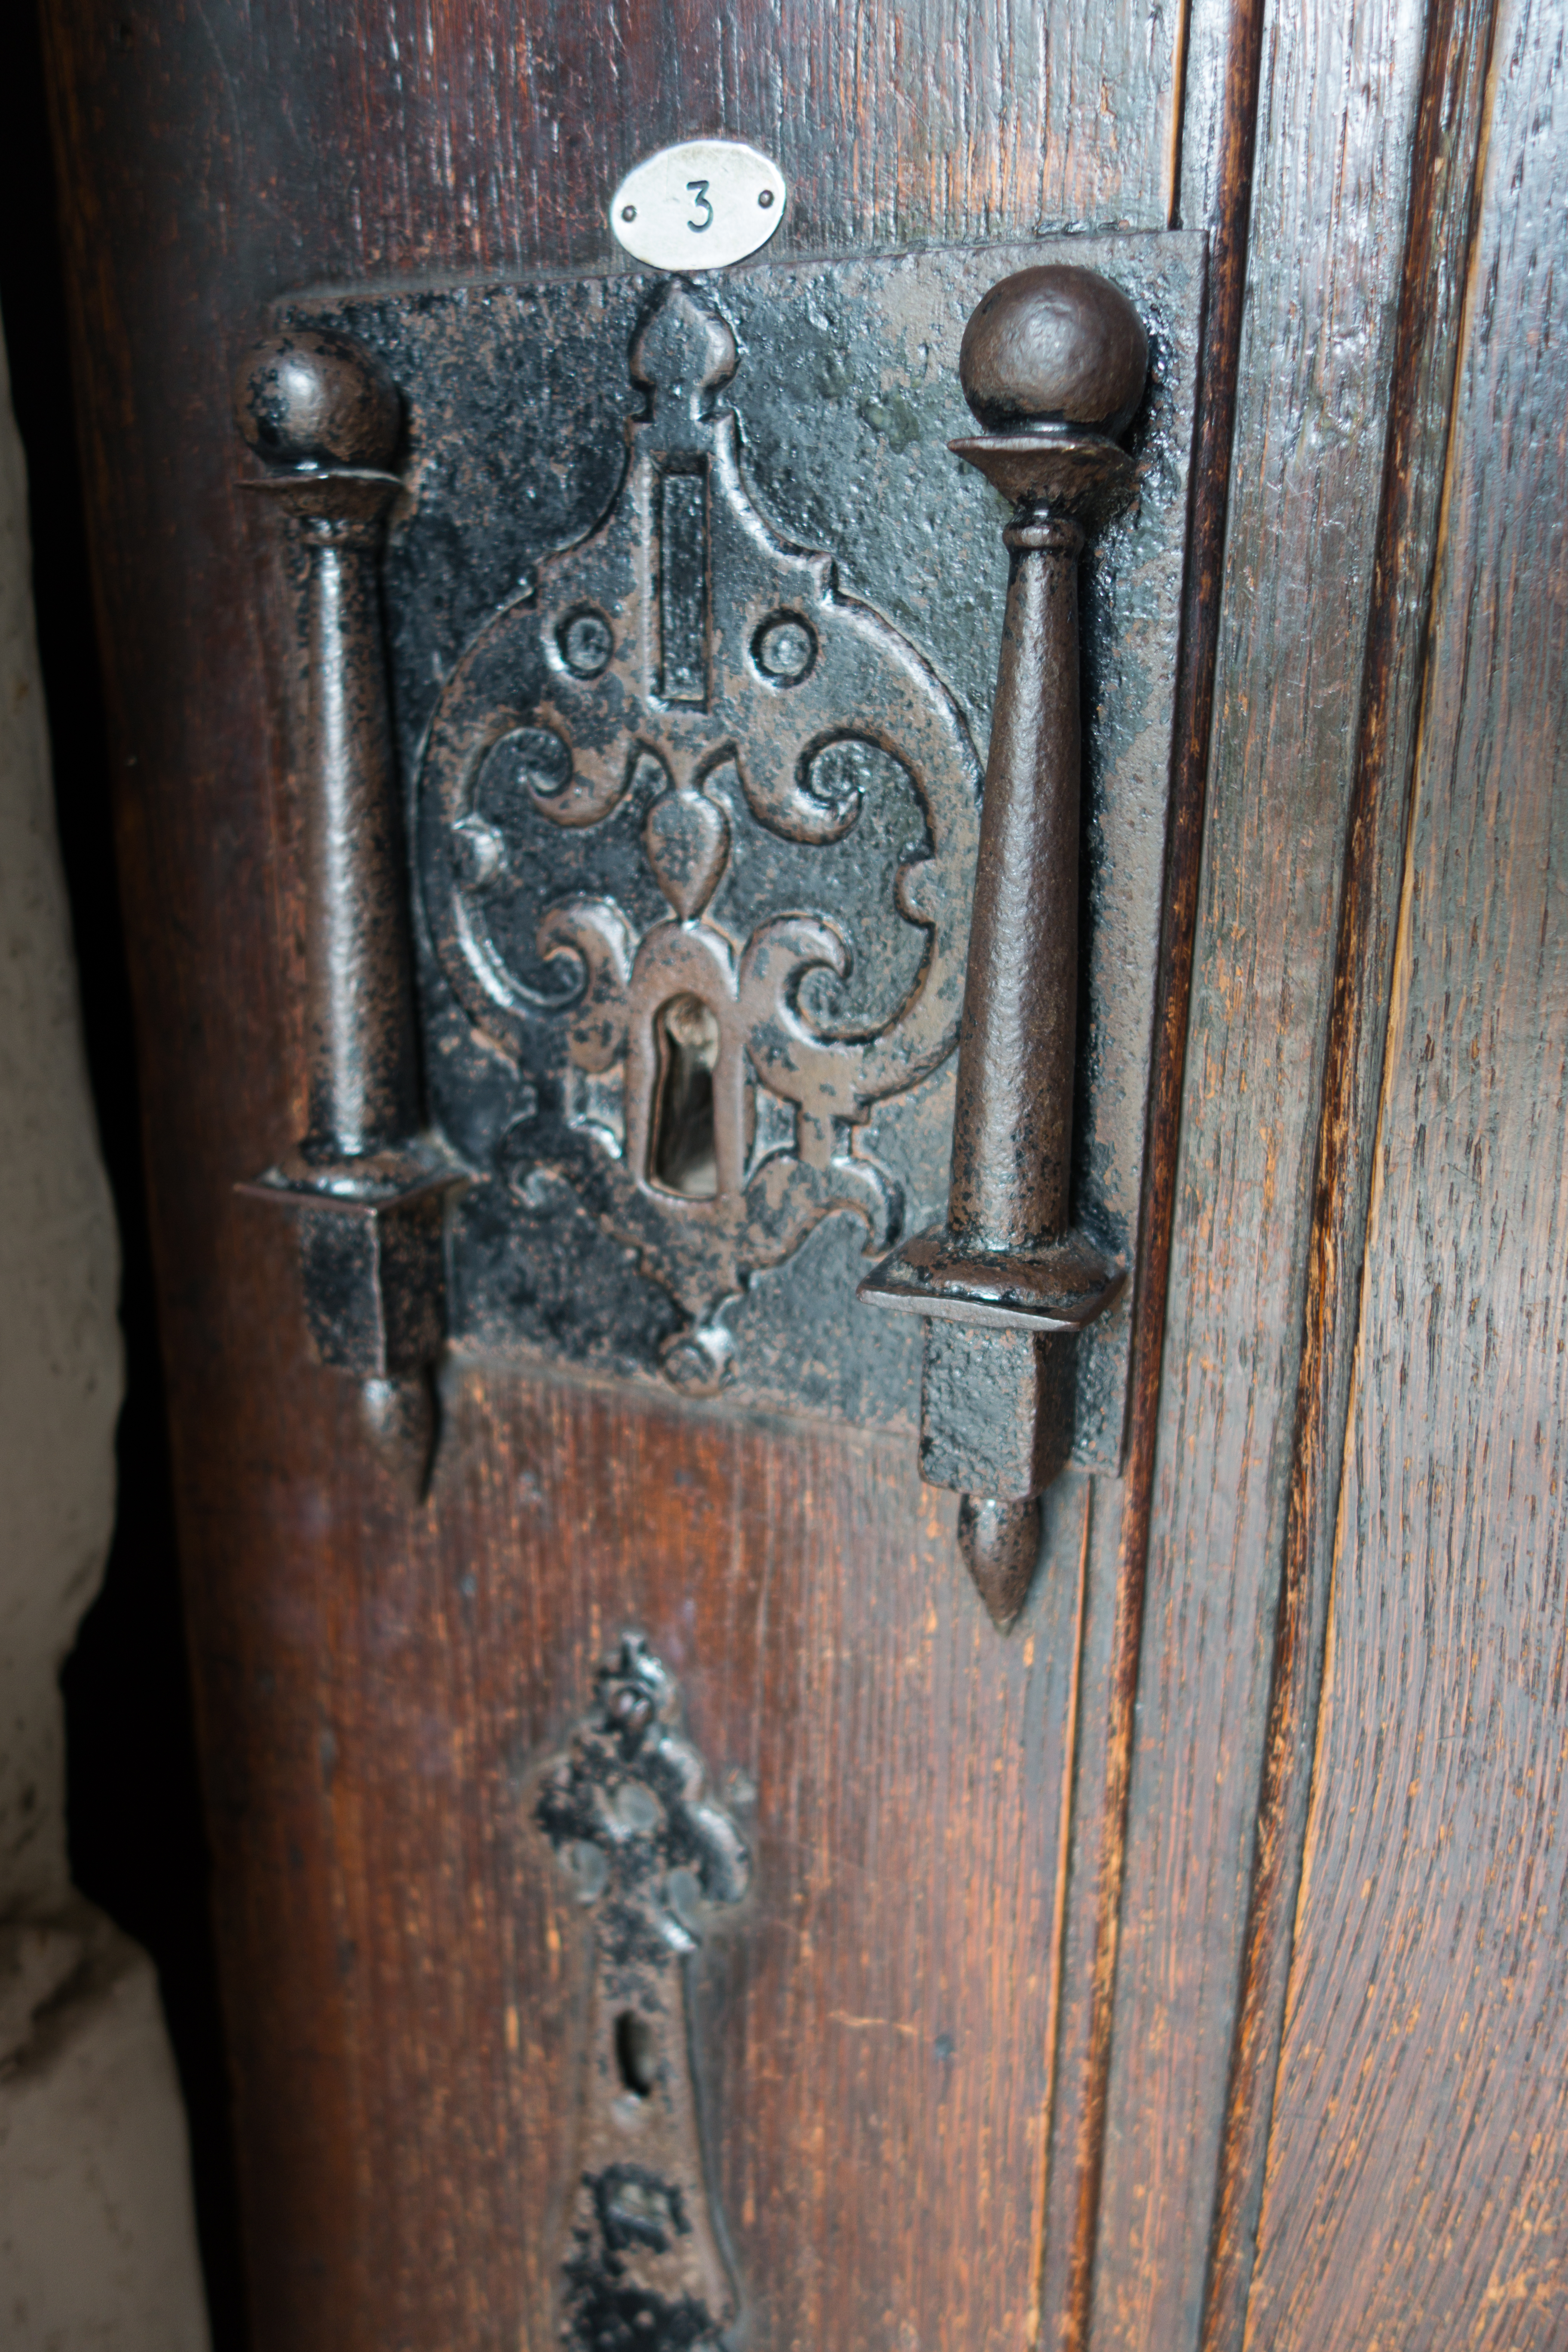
1336, 124
486, 134
1083, 2016
1419, 2163
1222, 54
1448, 139
372, 1683
872, 2015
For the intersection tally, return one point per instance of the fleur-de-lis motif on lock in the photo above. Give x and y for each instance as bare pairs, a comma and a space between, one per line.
685, 664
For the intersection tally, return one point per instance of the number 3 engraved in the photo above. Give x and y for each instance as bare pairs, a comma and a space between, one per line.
667, 218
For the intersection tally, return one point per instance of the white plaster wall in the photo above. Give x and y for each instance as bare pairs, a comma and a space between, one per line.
97, 2240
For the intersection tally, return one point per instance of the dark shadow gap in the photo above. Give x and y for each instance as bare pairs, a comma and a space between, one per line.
137, 1842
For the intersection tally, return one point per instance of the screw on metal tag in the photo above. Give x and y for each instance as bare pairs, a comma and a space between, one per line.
700, 205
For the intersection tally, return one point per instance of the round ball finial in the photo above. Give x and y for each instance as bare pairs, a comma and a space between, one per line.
311, 398
1056, 345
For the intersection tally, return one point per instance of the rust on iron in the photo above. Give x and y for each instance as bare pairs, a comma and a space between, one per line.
364, 1183
1053, 364
650, 743
685, 677
626, 1808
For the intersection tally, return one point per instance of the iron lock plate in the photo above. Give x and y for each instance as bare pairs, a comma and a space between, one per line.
744, 482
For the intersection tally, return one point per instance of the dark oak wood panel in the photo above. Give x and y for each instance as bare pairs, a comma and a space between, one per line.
1336, 122
991, 2055
1416, 2177
1458, 43
488, 136
364, 1716
1218, 126
1064, 2286
866, 2015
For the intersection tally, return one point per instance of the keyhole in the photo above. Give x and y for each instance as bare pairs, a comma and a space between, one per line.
635, 2052
682, 1158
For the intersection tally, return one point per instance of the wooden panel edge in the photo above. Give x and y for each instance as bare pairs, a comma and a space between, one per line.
1450, 125
1082, 2061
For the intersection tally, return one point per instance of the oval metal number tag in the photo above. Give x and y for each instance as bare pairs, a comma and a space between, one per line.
700, 205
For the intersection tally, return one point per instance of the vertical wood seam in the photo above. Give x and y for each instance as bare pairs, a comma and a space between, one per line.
1221, 344
1171, 204
1059, 1933
1343, 1210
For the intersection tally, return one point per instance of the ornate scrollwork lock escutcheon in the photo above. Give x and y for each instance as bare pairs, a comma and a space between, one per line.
660, 1056
685, 672
626, 1808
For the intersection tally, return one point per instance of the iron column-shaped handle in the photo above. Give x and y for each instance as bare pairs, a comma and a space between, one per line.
364, 1183
1053, 364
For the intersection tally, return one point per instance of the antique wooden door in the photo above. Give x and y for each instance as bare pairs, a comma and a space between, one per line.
1185, 1967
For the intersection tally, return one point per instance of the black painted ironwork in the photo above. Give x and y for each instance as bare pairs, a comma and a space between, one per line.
692, 811
626, 1808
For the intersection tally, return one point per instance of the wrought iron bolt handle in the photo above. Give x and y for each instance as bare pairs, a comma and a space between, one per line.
364, 1183
1053, 364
